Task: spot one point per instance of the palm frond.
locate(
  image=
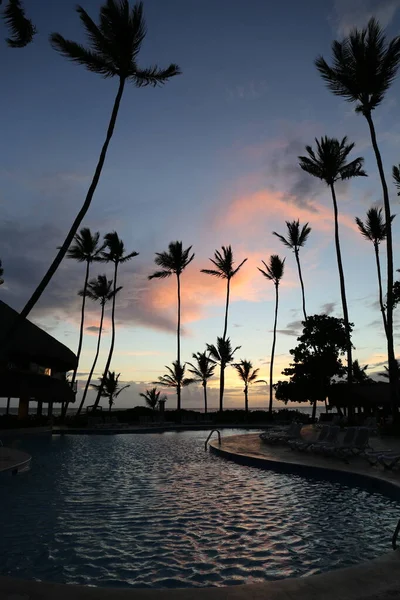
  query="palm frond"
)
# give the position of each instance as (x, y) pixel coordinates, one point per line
(79, 54)
(21, 28)
(160, 275)
(274, 269)
(154, 75)
(396, 177)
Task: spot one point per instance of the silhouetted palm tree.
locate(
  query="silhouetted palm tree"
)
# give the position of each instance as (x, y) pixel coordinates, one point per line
(85, 249)
(396, 177)
(295, 240)
(329, 164)
(152, 398)
(225, 269)
(273, 272)
(113, 51)
(99, 290)
(114, 252)
(374, 230)
(203, 370)
(175, 378)
(20, 27)
(222, 354)
(1, 273)
(174, 262)
(360, 373)
(364, 67)
(248, 375)
(109, 387)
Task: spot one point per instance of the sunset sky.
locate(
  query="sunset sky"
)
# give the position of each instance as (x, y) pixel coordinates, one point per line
(209, 159)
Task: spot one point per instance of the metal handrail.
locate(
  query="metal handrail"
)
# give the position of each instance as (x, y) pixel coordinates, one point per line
(211, 432)
(395, 535)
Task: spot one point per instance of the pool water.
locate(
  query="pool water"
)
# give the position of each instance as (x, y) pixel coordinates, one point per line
(158, 511)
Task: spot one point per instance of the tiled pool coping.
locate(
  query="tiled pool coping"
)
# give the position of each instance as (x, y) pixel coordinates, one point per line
(374, 580)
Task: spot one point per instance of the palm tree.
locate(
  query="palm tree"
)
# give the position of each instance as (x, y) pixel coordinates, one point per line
(20, 27)
(175, 378)
(360, 373)
(1, 273)
(225, 269)
(248, 375)
(364, 67)
(374, 230)
(221, 354)
(396, 177)
(99, 290)
(86, 249)
(295, 240)
(109, 387)
(113, 50)
(329, 164)
(152, 398)
(174, 262)
(203, 370)
(115, 253)
(273, 272)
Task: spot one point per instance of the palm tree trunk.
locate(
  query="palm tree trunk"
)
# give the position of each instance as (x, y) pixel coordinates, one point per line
(111, 351)
(94, 363)
(393, 376)
(75, 226)
(343, 295)
(178, 337)
(228, 287)
(221, 388)
(78, 352)
(205, 397)
(314, 411)
(378, 268)
(246, 399)
(296, 253)
(271, 366)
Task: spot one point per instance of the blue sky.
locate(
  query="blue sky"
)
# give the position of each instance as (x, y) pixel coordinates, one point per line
(210, 158)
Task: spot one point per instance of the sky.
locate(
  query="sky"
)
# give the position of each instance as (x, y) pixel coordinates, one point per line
(210, 159)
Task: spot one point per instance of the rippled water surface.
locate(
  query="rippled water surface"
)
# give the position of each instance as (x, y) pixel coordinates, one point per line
(157, 510)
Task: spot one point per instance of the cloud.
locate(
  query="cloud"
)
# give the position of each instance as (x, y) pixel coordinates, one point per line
(328, 308)
(252, 90)
(293, 328)
(356, 13)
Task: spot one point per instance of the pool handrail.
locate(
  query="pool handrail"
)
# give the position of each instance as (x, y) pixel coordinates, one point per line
(209, 436)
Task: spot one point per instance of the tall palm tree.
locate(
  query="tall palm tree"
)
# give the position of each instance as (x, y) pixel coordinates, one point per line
(396, 177)
(1, 273)
(329, 163)
(109, 387)
(295, 240)
(114, 251)
(225, 269)
(175, 378)
(374, 230)
(364, 66)
(20, 27)
(174, 262)
(85, 249)
(203, 370)
(152, 398)
(99, 290)
(113, 50)
(273, 272)
(248, 375)
(221, 354)
(360, 373)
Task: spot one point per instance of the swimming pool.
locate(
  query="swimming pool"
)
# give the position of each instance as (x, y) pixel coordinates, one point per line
(158, 511)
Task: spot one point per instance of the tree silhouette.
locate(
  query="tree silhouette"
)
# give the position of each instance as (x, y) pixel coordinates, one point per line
(21, 28)
(85, 249)
(396, 177)
(364, 66)
(295, 240)
(109, 387)
(99, 290)
(174, 262)
(113, 50)
(221, 354)
(1, 273)
(329, 163)
(175, 378)
(360, 373)
(248, 375)
(203, 370)
(225, 269)
(114, 252)
(273, 272)
(152, 398)
(374, 230)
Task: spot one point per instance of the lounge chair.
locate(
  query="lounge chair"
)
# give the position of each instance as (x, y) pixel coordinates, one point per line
(343, 447)
(331, 438)
(280, 437)
(389, 460)
(302, 444)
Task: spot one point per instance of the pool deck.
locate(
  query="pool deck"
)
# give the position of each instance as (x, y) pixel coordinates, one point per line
(374, 580)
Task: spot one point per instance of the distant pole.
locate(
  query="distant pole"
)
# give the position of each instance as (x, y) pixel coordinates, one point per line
(8, 406)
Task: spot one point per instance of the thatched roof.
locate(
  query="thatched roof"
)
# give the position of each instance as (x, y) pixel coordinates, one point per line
(374, 394)
(33, 344)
